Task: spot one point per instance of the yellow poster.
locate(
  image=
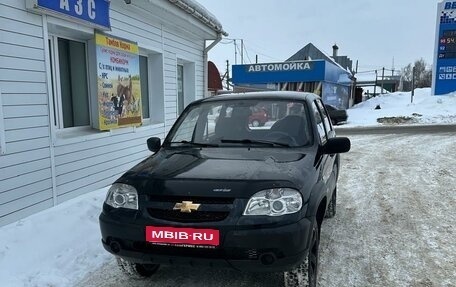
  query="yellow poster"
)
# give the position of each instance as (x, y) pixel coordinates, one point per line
(119, 88)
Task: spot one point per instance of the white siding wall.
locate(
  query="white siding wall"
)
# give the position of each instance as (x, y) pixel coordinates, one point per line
(80, 164)
(25, 168)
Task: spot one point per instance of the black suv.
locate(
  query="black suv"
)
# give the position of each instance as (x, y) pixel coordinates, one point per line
(221, 192)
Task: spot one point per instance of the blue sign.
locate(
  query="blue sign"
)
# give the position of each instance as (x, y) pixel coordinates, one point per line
(445, 57)
(95, 12)
(302, 71)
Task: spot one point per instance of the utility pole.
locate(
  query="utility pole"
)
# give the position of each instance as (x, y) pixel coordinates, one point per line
(256, 59)
(392, 70)
(235, 52)
(375, 85)
(227, 75)
(383, 78)
(413, 84)
(242, 51)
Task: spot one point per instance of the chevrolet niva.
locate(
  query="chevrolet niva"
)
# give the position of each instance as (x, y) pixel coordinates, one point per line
(221, 192)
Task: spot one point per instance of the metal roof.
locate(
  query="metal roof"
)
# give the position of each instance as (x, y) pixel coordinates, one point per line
(200, 13)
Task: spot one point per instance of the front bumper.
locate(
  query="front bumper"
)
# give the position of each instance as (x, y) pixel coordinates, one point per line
(246, 248)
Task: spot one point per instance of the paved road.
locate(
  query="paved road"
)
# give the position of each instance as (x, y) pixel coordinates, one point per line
(397, 129)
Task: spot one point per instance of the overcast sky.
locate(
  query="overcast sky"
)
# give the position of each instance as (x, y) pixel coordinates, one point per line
(370, 31)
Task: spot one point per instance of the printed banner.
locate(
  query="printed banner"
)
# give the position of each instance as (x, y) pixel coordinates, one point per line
(119, 89)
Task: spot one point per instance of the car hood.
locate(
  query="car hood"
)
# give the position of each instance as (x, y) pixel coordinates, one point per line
(227, 171)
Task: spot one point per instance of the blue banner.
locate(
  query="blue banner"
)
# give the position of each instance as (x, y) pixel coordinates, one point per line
(95, 12)
(302, 71)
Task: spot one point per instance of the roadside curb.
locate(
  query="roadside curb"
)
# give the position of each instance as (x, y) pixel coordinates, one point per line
(398, 129)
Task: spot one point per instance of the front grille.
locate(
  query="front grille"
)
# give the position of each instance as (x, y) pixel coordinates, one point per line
(209, 253)
(211, 208)
(150, 248)
(195, 216)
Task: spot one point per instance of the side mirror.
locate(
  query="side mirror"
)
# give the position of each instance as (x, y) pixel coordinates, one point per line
(337, 145)
(154, 144)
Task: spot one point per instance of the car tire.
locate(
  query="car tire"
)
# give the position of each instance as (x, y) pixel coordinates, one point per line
(306, 273)
(136, 270)
(255, 123)
(331, 211)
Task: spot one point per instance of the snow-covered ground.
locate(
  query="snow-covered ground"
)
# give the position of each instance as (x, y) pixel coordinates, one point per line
(399, 108)
(395, 224)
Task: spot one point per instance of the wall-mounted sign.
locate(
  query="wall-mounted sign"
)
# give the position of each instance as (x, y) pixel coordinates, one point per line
(94, 13)
(444, 79)
(119, 88)
(279, 72)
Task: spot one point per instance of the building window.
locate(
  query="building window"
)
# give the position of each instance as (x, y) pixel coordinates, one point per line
(144, 80)
(180, 89)
(70, 85)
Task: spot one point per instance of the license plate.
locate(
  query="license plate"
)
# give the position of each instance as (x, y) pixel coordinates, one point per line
(179, 236)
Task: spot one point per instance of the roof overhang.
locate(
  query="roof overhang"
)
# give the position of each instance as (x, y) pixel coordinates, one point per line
(200, 13)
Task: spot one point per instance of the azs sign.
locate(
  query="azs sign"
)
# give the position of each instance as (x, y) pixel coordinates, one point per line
(92, 12)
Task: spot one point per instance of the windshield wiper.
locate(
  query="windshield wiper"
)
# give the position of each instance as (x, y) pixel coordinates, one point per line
(262, 142)
(195, 144)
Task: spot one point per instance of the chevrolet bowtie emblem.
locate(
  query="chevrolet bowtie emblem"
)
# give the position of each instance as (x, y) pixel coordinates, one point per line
(186, 206)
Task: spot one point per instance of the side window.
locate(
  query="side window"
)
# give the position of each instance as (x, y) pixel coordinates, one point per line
(319, 121)
(69, 72)
(180, 89)
(144, 76)
(186, 83)
(152, 89)
(2, 128)
(326, 120)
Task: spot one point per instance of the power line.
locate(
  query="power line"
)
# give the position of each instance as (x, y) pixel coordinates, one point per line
(247, 54)
(231, 40)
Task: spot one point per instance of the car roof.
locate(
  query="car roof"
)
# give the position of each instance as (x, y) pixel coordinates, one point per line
(267, 95)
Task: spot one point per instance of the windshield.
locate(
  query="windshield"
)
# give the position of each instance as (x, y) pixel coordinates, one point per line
(271, 123)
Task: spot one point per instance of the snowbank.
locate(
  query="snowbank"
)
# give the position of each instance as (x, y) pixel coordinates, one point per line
(425, 109)
(56, 247)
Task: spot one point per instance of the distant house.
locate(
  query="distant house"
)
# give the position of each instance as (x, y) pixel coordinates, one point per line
(82, 86)
(310, 52)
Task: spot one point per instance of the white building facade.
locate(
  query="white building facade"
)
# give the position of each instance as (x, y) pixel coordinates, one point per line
(51, 146)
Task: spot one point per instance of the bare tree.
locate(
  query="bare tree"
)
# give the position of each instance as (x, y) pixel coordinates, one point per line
(423, 75)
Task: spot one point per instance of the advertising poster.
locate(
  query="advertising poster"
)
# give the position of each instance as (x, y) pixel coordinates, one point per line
(119, 90)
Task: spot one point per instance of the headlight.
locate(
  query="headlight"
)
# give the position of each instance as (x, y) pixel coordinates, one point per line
(274, 202)
(122, 196)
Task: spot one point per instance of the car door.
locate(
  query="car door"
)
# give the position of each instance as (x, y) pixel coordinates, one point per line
(330, 133)
(323, 126)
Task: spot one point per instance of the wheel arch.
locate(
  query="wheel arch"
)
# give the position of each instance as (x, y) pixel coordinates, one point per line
(318, 203)
(321, 211)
